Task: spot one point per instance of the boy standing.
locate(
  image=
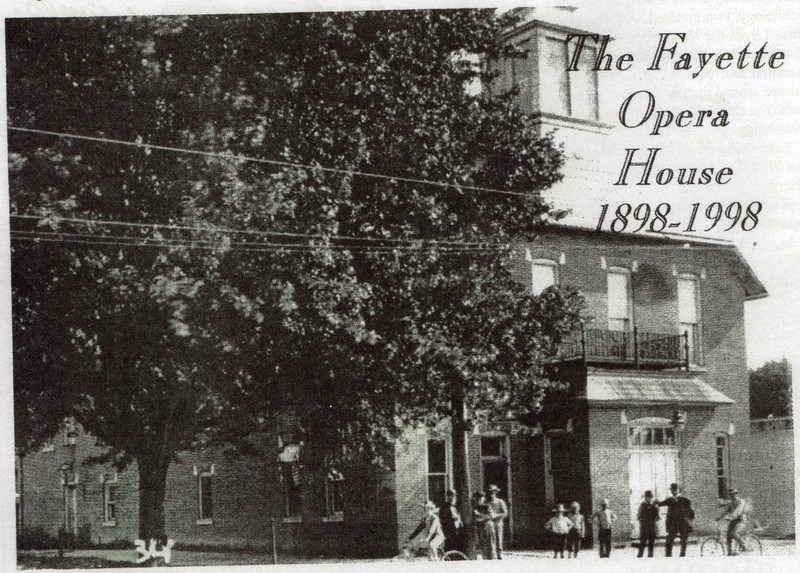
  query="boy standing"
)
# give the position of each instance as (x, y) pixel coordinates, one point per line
(647, 516)
(559, 526)
(604, 518)
(578, 530)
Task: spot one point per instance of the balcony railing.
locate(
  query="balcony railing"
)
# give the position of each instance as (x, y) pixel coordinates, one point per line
(634, 348)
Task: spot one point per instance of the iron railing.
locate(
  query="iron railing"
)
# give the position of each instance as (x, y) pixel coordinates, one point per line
(636, 348)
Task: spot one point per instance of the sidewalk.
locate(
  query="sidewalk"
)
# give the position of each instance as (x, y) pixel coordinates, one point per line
(33, 559)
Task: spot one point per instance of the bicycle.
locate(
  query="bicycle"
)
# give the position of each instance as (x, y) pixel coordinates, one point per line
(718, 544)
(412, 551)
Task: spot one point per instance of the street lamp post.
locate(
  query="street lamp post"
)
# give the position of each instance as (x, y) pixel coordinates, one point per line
(679, 424)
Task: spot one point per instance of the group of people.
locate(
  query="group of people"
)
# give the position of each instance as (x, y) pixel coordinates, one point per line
(567, 530)
(445, 530)
(678, 522)
(679, 517)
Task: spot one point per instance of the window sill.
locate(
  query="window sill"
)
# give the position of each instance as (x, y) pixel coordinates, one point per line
(293, 519)
(337, 517)
(207, 521)
(112, 523)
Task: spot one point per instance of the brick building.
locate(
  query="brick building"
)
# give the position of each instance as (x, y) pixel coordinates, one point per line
(210, 499)
(658, 388)
(657, 392)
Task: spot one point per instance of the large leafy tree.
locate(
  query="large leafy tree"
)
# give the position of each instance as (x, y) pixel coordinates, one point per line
(240, 288)
(771, 389)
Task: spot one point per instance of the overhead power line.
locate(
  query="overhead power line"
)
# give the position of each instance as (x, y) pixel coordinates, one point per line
(166, 242)
(231, 157)
(175, 227)
(124, 241)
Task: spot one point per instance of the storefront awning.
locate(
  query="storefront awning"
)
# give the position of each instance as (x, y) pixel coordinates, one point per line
(641, 388)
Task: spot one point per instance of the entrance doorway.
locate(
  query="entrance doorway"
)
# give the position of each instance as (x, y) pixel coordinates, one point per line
(653, 465)
(496, 472)
(494, 466)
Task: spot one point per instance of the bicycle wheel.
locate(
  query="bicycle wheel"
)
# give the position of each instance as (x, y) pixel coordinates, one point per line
(454, 555)
(712, 547)
(752, 545)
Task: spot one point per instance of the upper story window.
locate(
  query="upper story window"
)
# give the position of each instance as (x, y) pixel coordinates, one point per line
(544, 273)
(571, 94)
(688, 314)
(619, 299)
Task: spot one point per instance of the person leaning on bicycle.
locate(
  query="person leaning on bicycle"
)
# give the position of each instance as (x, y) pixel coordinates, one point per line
(736, 514)
(433, 530)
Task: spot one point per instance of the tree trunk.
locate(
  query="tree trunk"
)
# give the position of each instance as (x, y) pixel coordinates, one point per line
(152, 490)
(461, 465)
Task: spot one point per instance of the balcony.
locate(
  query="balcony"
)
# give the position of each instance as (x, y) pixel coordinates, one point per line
(636, 349)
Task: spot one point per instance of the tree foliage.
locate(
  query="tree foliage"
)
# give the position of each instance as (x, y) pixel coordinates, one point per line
(315, 289)
(771, 389)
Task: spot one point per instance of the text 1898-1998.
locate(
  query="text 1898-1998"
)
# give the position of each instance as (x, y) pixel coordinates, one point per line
(658, 218)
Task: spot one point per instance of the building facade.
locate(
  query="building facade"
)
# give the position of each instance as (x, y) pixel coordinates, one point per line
(211, 500)
(658, 388)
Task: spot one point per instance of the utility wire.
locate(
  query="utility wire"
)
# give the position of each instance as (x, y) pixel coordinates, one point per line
(80, 238)
(94, 238)
(252, 231)
(229, 157)
(420, 242)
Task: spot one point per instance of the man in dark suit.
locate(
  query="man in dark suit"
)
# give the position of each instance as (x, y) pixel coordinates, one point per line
(679, 514)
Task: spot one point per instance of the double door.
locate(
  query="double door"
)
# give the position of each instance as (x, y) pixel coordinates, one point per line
(651, 469)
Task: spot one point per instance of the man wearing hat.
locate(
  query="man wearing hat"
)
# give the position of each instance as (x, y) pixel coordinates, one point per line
(737, 516)
(647, 516)
(499, 511)
(679, 514)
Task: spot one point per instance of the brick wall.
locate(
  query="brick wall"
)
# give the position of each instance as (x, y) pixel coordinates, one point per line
(43, 496)
(769, 481)
(246, 497)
